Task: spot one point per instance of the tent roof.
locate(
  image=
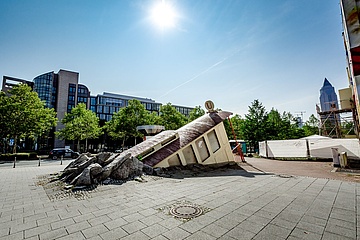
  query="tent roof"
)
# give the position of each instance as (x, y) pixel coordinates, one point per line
(315, 136)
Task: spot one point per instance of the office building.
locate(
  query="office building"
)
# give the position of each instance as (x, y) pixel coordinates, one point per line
(62, 91)
(328, 97)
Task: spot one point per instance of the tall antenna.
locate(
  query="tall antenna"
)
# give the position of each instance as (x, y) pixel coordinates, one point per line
(301, 113)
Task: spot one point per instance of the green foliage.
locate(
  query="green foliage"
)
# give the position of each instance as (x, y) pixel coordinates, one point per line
(259, 125)
(283, 126)
(23, 114)
(170, 118)
(237, 123)
(123, 123)
(80, 124)
(255, 124)
(311, 126)
(196, 113)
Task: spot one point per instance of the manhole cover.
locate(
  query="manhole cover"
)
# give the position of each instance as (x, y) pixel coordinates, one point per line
(186, 211)
(284, 176)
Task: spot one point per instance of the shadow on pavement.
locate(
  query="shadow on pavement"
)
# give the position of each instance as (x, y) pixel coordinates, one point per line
(190, 171)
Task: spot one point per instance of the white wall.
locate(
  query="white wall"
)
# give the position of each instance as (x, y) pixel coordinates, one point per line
(302, 148)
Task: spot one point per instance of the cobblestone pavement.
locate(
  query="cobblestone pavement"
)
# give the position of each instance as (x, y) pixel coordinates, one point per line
(318, 169)
(239, 205)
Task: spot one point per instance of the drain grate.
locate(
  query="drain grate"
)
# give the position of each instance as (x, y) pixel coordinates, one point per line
(284, 176)
(186, 211)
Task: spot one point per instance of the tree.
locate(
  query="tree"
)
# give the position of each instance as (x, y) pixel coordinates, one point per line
(311, 126)
(123, 123)
(23, 114)
(170, 118)
(196, 113)
(254, 127)
(80, 124)
(237, 123)
(282, 126)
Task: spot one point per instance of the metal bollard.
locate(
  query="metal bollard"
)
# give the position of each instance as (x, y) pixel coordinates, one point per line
(14, 161)
(39, 161)
(61, 158)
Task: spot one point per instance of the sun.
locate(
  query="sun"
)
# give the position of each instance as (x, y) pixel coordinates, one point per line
(163, 15)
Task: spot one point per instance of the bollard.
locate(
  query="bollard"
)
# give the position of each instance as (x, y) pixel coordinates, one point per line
(14, 161)
(39, 161)
(61, 158)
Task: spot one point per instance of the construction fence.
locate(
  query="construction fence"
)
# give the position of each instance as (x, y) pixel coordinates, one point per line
(309, 148)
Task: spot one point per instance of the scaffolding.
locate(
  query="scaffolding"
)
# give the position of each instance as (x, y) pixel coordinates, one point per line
(335, 122)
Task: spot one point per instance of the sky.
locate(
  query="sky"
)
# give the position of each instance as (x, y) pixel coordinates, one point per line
(228, 51)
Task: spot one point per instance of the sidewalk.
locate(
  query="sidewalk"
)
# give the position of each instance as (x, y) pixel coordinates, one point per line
(236, 204)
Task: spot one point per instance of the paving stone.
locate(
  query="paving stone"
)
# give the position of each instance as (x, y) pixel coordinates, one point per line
(37, 230)
(214, 230)
(133, 217)
(4, 231)
(20, 227)
(114, 234)
(150, 220)
(148, 212)
(160, 237)
(200, 236)
(176, 234)
(76, 227)
(154, 230)
(136, 235)
(341, 223)
(240, 233)
(83, 217)
(73, 236)
(344, 232)
(304, 234)
(15, 236)
(274, 230)
(47, 220)
(311, 227)
(115, 223)
(54, 234)
(62, 223)
(93, 231)
(99, 220)
(134, 227)
(333, 236)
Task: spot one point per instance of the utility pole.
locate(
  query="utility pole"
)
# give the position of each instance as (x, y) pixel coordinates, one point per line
(302, 117)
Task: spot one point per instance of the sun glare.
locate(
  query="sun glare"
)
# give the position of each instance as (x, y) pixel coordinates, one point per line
(163, 15)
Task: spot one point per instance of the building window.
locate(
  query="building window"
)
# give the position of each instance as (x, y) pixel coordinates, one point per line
(202, 149)
(214, 141)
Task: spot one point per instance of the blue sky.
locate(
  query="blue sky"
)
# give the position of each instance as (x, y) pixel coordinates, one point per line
(229, 51)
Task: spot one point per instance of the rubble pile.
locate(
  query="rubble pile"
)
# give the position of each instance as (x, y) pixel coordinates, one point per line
(87, 169)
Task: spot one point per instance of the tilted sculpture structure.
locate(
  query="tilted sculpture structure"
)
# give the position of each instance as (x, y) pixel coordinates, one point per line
(202, 141)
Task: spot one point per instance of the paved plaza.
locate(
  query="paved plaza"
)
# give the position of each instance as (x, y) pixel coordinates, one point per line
(236, 204)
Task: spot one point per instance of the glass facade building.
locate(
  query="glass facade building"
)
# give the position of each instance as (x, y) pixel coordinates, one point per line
(45, 86)
(62, 92)
(109, 103)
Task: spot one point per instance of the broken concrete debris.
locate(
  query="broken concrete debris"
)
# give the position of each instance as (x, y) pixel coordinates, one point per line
(87, 169)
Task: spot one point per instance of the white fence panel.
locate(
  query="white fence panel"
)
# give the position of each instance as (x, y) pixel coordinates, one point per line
(322, 148)
(287, 148)
(262, 148)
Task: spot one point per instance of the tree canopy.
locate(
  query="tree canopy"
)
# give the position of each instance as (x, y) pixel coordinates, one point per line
(123, 123)
(170, 118)
(254, 127)
(196, 113)
(259, 125)
(23, 114)
(80, 124)
(311, 126)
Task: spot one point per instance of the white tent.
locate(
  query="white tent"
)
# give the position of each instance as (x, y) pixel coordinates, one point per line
(315, 137)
